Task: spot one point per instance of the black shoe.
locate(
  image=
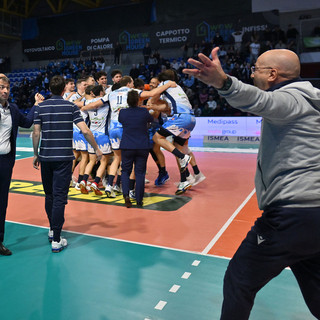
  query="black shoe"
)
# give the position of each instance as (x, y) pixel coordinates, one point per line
(4, 251)
(140, 204)
(127, 202)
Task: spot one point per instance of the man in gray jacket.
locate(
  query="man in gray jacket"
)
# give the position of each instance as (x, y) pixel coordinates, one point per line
(287, 178)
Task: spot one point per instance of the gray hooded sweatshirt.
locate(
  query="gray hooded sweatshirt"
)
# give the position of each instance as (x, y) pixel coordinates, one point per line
(288, 164)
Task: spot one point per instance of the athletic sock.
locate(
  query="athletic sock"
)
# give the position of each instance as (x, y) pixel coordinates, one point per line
(85, 177)
(110, 179)
(178, 153)
(131, 184)
(80, 178)
(183, 176)
(97, 180)
(196, 169)
(162, 170)
(187, 172)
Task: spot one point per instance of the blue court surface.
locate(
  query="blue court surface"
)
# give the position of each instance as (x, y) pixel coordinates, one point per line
(102, 279)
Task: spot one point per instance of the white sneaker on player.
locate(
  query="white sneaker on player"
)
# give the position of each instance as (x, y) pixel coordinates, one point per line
(77, 186)
(184, 162)
(117, 189)
(191, 179)
(109, 191)
(198, 178)
(83, 187)
(94, 187)
(183, 187)
(58, 246)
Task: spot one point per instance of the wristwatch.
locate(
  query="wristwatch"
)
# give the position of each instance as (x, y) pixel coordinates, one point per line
(226, 84)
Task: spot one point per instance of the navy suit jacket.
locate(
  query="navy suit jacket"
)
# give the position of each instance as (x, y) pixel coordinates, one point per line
(135, 128)
(18, 120)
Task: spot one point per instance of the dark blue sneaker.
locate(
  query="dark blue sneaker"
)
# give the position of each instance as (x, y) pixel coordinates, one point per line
(162, 178)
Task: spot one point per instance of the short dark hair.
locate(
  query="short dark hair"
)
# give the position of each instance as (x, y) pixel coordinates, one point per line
(69, 80)
(133, 98)
(116, 86)
(57, 85)
(125, 80)
(99, 74)
(168, 75)
(138, 82)
(97, 89)
(115, 71)
(89, 89)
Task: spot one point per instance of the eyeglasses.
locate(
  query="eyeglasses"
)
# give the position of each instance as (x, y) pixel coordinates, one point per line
(254, 68)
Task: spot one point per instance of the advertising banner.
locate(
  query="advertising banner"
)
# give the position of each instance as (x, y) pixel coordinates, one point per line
(134, 39)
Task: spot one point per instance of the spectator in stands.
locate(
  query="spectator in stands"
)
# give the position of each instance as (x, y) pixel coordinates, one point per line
(146, 52)
(212, 104)
(134, 72)
(218, 40)
(254, 51)
(203, 97)
(292, 34)
(280, 45)
(237, 35)
(117, 53)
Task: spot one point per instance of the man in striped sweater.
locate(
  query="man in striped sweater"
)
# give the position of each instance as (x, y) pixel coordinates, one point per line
(53, 119)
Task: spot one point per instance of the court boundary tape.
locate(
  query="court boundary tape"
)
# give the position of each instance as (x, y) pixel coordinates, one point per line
(121, 240)
(226, 225)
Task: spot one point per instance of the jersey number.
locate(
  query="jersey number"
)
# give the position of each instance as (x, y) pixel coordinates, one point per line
(119, 99)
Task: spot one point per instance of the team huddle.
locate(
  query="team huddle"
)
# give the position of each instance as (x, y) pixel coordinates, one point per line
(100, 105)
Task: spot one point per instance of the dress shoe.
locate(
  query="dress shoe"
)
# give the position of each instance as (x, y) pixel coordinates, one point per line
(140, 204)
(127, 202)
(4, 251)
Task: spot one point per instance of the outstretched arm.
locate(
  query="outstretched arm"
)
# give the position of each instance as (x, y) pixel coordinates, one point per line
(207, 70)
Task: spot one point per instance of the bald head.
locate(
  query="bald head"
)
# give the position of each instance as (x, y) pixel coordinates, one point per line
(285, 61)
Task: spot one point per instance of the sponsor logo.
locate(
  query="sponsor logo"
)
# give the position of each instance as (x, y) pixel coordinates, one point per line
(69, 48)
(133, 41)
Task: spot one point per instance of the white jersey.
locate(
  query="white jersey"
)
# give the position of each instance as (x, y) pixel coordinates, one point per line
(83, 113)
(118, 101)
(98, 117)
(66, 95)
(177, 99)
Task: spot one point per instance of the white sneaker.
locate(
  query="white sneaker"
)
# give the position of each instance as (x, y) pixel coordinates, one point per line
(109, 192)
(198, 178)
(146, 181)
(117, 189)
(184, 162)
(50, 235)
(77, 186)
(95, 189)
(58, 246)
(183, 187)
(83, 187)
(191, 179)
(132, 194)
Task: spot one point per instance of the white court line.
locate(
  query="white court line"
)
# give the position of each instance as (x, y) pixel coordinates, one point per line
(24, 149)
(226, 225)
(119, 240)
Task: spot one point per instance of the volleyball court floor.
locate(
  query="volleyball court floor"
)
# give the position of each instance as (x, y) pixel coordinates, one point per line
(164, 261)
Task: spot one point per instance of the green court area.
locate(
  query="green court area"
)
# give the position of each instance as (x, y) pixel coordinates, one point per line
(104, 279)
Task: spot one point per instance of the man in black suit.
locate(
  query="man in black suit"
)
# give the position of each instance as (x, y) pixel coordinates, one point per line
(10, 119)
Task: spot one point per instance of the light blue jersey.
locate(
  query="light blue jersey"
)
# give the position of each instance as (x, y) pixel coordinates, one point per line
(117, 101)
(183, 120)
